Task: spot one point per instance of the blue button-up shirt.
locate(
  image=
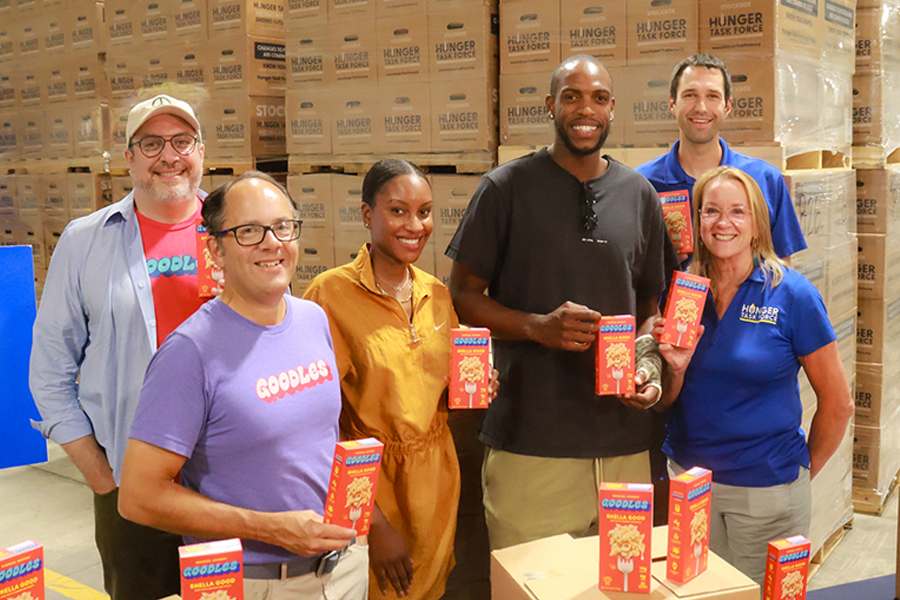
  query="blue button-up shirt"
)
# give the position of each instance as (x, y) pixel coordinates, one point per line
(95, 332)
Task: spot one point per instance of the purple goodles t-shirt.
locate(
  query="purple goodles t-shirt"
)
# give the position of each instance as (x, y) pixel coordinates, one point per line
(253, 408)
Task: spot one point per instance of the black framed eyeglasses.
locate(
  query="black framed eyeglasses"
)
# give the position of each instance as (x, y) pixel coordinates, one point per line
(153, 145)
(252, 234)
(589, 218)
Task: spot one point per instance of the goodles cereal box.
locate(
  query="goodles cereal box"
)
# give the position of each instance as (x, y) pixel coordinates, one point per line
(354, 479)
(470, 368)
(626, 523)
(787, 567)
(689, 502)
(676, 208)
(212, 570)
(684, 308)
(615, 355)
(22, 572)
(208, 274)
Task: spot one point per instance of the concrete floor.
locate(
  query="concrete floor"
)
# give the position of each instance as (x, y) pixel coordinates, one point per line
(51, 504)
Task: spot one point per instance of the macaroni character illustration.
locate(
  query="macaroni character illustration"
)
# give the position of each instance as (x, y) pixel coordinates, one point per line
(699, 527)
(617, 358)
(359, 493)
(792, 585)
(216, 595)
(686, 311)
(675, 223)
(471, 370)
(626, 542)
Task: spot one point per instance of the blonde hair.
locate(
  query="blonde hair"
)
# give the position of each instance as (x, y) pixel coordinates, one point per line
(761, 245)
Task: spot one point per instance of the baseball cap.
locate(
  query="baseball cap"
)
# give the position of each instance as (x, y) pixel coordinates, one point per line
(159, 105)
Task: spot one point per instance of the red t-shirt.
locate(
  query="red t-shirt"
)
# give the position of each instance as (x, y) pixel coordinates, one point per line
(171, 253)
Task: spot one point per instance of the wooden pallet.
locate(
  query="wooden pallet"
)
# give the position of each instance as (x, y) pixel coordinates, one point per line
(433, 162)
(828, 548)
(52, 166)
(781, 157)
(872, 157)
(213, 166)
(873, 505)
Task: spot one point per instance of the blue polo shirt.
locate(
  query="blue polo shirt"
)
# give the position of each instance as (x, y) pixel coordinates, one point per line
(739, 411)
(666, 175)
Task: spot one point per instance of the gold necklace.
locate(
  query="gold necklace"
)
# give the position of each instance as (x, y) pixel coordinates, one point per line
(408, 298)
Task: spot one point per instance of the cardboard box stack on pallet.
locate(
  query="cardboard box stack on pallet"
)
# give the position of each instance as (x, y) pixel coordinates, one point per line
(53, 117)
(421, 83)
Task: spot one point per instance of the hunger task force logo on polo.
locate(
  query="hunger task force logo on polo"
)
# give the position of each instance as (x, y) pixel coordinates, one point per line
(759, 314)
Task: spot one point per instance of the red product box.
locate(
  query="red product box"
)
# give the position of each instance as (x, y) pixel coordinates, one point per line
(354, 481)
(470, 368)
(787, 568)
(676, 208)
(684, 308)
(615, 355)
(208, 274)
(212, 570)
(689, 510)
(626, 525)
(22, 572)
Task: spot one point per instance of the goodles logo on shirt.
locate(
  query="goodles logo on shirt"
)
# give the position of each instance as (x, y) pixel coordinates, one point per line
(276, 387)
(759, 314)
(172, 266)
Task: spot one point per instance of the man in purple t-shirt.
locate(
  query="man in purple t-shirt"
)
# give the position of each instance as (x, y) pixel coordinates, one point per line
(241, 401)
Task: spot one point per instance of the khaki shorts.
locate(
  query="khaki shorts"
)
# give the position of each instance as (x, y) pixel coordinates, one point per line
(531, 497)
(348, 581)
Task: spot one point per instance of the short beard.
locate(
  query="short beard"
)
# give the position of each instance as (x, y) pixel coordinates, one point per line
(564, 136)
(169, 194)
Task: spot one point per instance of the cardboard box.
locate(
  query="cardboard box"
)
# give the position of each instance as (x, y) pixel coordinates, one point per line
(313, 196)
(304, 13)
(210, 568)
(190, 67)
(88, 34)
(240, 127)
(347, 245)
(452, 194)
(87, 192)
(351, 45)
(877, 400)
(153, 69)
(787, 567)
(121, 187)
(190, 21)
(524, 120)
(845, 330)
(243, 17)
(122, 22)
(689, 514)
(346, 193)
(402, 43)
(677, 212)
(875, 46)
(614, 357)
(343, 10)
(876, 458)
(8, 47)
(811, 197)
(405, 117)
(52, 202)
(757, 28)
(530, 36)
(353, 484)
(594, 27)
(463, 115)
(31, 83)
(877, 331)
(156, 20)
(873, 105)
(29, 190)
(7, 90)
(877, 200)
(648, 121)
(30, 231)
(248, 65)
(309, 121)
(122, 74)
(754, 88)
(684, 309)
(9, 135)
(463, 44)
(387, 8)
(661, 32)
(22, 567)
(55, 30)
(354, 117)
(308, 57)
(53, 230)
(626, 524)
(838, 35)
(840, 275)
(878, 270)
(316, 257)
(470, 368)
(31, 43)
(58, 83)
(60, 135)
(8, 192)
(34, 132)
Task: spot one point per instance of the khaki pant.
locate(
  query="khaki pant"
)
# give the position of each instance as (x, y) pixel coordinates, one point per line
(348, 581)
(531, 497)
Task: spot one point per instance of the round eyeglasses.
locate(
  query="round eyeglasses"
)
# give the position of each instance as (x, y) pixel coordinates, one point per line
(153, 145)
(252, 234)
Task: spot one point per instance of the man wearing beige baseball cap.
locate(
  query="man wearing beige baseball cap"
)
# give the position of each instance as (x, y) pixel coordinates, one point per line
(120, 280)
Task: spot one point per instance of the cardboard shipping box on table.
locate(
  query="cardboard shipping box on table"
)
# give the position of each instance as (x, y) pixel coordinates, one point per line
(563, 568)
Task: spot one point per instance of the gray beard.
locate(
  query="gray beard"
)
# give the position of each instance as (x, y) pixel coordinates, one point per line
(169, 194)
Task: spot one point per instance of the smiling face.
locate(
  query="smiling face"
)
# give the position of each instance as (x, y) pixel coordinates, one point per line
(255, 275)
(583, 107)
(400, 219)
(168, 178)
(727, 227)
(700, 106)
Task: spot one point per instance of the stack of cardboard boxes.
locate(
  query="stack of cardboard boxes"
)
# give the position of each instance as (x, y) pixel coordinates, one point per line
(422, 80)
(876, 453)
(824, 201)
(785, 58)
(225, 57)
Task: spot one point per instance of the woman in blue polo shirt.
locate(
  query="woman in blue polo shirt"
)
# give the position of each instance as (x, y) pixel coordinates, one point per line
(735, 398)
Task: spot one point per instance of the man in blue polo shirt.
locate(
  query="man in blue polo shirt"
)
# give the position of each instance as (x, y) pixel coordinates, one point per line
(700, 99)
